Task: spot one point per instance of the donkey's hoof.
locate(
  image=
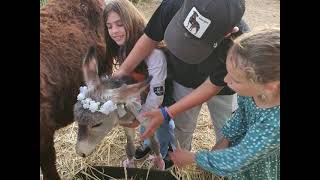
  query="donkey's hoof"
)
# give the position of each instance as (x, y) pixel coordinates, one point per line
(158, 162)
(129, 163)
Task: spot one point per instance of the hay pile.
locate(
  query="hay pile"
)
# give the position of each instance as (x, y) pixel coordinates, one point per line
(111, 152)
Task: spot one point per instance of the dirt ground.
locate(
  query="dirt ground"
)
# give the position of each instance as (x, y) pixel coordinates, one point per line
(258, 12)
(262, 13)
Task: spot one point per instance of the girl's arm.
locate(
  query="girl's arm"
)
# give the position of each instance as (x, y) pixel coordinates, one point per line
(140, 51)
(261, 141)
(157, 68)
(182, 157)
(196, 97)
(200, 95)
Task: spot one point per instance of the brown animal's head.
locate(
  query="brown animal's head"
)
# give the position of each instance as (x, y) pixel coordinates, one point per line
(94, 125)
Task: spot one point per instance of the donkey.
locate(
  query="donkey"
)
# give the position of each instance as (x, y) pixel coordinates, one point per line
(67, 28)
(103, 104)
(193, 22)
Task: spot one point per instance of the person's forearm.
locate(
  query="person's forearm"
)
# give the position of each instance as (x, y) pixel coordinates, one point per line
(204, 92)
(141, 50)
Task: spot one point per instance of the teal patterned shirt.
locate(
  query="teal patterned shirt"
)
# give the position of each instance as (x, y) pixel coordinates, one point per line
(254, 149)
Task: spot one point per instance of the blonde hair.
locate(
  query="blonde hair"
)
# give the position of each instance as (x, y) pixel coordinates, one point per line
(258, 54)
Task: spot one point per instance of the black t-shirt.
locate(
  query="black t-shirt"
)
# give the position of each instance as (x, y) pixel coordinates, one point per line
(191, 75)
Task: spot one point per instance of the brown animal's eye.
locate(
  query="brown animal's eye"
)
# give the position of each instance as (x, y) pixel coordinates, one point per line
(82, 5)
(97, 125)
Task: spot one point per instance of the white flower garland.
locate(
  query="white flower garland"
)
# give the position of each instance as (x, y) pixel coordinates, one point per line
(94, 106)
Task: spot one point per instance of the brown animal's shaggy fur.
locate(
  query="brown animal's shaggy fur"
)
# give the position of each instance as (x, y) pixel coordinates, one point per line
(67, 29)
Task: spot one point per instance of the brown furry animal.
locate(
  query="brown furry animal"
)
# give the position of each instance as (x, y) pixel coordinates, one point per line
(67, 29)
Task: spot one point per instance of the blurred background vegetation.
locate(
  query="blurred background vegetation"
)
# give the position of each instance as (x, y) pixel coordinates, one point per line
(43, 2)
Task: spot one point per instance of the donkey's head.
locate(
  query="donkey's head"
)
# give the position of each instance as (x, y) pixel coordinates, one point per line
(102, 104)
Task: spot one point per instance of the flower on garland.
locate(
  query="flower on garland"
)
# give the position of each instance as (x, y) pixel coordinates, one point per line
(93, 106)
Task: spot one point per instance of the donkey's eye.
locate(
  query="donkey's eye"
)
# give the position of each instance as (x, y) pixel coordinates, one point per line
(97, 125)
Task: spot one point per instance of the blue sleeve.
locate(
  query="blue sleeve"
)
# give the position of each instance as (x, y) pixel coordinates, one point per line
(261, 140)
(236, 125)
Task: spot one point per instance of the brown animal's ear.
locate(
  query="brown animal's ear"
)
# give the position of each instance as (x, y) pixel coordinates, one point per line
(133, 89)
(90, 67)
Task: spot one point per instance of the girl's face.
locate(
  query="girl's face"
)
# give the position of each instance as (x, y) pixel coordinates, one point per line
(116, 28)
(238, 82)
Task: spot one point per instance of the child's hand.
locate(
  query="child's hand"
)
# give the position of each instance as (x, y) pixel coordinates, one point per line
(120, 73)
(182, 157)
(155, 119)
(222, 144)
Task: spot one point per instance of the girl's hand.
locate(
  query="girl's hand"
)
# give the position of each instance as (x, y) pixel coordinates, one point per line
(222, 144)
(155, 119)
(182, 157)
(120, 73)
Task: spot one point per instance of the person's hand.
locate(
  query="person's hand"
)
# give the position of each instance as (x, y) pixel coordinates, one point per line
(182, 157)
(234, 30)
(222, 144)
(120, 73)
(135, 123)
(155, 119)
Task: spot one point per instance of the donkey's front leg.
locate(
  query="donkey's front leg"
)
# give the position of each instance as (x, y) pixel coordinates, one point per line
(130, 148)
(155, 147)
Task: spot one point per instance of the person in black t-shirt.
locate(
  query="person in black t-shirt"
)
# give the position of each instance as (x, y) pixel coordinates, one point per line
(198, 35)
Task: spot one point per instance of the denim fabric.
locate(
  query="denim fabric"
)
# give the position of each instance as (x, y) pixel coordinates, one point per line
(165, 135)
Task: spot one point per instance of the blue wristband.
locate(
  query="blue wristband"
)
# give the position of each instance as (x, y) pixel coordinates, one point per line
(165, 114)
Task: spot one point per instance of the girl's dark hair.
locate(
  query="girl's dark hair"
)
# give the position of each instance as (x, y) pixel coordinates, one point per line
(134, 24)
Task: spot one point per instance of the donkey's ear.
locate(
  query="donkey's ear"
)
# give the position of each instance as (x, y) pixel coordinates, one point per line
(90, 67)
(133, 89)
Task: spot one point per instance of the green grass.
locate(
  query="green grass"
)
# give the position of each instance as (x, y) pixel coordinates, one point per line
(43, 2)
